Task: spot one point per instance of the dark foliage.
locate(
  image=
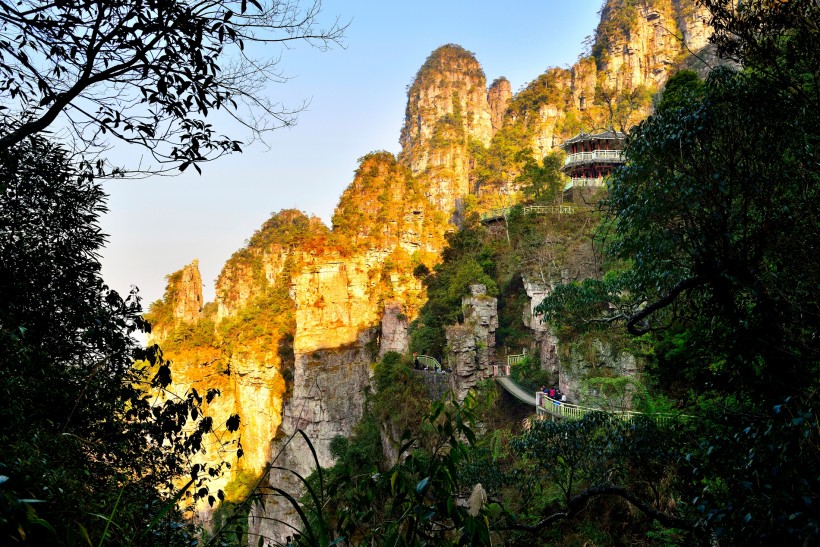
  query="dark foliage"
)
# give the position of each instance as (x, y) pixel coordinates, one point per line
(80, 433)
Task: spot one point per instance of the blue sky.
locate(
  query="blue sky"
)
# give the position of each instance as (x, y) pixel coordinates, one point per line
(357, 99)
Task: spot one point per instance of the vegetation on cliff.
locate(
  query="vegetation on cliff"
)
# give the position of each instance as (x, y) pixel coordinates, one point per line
(619, 19)
(382, 204)
(715, 216)
(710, 270)
(541, 248)
(96, 440)
(709, 234)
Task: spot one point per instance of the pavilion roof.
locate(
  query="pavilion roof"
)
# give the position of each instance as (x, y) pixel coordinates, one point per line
(609, 134)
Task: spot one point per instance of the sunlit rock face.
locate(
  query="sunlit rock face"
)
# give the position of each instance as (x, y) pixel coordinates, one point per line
(498, 97)
(353, 298)
(256, 268)
(337, 298)
(188, 302)
(638, 46)
(447, 110)
(240, 345)
(237, 283)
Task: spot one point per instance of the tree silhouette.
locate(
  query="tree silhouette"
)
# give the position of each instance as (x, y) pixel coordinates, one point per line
(148, 72)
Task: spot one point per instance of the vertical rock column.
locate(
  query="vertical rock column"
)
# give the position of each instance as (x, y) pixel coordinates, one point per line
(546, 341)
(498, 97)
(394, 335)
(472, 345)
(188, 300)
(447, 109)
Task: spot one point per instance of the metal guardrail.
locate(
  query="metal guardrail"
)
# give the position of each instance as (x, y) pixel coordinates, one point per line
(515, 359)
(545, 405)
(429, 362)
(502, 212)
(611, 156)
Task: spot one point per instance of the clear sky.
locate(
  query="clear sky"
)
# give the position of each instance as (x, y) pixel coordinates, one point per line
(357, 99)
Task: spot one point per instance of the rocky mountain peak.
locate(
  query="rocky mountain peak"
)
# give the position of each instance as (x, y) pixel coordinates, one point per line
(498, 97)
(256, 267)
(187, 289)
(302, 310)
(447, 110)
(639, 44)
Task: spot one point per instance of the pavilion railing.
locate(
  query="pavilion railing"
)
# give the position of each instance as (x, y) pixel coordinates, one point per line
(582, 182)
(594, 155)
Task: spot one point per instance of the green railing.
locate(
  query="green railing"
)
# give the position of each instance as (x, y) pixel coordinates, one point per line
(545, 405)
(495, 214)
(515, 359)
(429, 362)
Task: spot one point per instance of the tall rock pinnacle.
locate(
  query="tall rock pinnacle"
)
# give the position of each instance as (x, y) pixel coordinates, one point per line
(188, 299)
(498, 97)
(447, 109)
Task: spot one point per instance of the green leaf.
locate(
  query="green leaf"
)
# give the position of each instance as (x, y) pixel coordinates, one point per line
(422, 484)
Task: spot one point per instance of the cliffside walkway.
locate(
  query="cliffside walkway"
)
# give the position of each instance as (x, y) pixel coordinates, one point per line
(544, 406)
(497, 214)
(430, 363)
(516, 391)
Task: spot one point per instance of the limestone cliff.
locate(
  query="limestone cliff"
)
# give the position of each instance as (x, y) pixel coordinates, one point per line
(447, 110)
(383, 228)
(498, 97)
(303, 310)
(546, 343)
(472, 343)
(243, 343)
(598, 372)
(257, 267)
(636, 47)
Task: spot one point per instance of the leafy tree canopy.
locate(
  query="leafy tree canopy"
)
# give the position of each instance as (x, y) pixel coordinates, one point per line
(542, 183)
(714, 218)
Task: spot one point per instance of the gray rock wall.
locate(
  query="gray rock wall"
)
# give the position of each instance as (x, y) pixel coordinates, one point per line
(471, 346)
(394, 336)
(328, 400)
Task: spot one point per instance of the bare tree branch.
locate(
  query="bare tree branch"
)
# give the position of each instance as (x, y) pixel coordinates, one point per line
(150, 72)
